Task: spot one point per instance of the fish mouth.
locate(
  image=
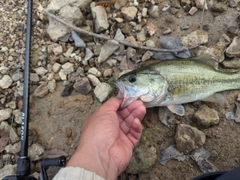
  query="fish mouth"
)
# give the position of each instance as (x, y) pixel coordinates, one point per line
(120, 89)
(124, 94)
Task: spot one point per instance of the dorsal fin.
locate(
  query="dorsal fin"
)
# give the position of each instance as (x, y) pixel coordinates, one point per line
(212, 62)
(208, 60)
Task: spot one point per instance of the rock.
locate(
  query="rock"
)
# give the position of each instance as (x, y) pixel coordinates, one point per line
(225, 39)
(17, 116)
(68, 13)
(3, 70)
(55, 48)
(83, 86)
(94, 71)
(67, 68)
(171, 153)
(88, 54)
(131, 53)
(193, 10)
(154, 11)
(6, 82)
(100, 19)
(218, 6)
(126, 64)
(237, 114)
(62, 75)
(168, 31)
(107, 73)
(188, 138)
(4, 49)
(13, 149)
(141, 36)
(232, 64)
(78, 41)
(67, 90)
(40, 71)
(5, 114)
(200, 4)
(41, 90)
(150, 43)
(129, 13)
(165, 116)
(119, 35)
(55, 5)
(144, 12)
(56, 67)
(233, 3)
(151, 29)
(233, 49)
(68, 52)
(35, 151)
(147, 55)
(34, 77)
(52, 85)
(11, 104)
(107, 50)
(206, 117)
(13, 135)
(216, 50)
(201, 156)
(166, 7)
(94, 80)
(194, 38)
(8, 169)
(102, 91)
(230, 115)
(143, 158)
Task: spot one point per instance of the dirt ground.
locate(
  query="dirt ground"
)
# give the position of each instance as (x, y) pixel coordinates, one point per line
(57, 120)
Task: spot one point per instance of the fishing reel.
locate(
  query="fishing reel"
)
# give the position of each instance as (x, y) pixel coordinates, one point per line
(45, 164)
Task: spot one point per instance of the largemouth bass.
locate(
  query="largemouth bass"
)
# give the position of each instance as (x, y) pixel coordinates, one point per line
(174, 82)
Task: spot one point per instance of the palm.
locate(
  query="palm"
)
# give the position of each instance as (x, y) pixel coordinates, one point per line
(128, 133)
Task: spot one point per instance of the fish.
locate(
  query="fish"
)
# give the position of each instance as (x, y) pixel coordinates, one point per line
(172, 83)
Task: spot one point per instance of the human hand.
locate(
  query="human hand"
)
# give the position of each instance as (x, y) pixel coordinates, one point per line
(108, 137)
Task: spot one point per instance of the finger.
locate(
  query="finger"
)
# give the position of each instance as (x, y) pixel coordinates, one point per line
(135, 131)
(112, 104)
(134, 110)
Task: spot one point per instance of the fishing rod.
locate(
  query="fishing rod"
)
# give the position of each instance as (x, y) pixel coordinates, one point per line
(23, 164)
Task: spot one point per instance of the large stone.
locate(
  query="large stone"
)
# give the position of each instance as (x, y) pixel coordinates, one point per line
(35, 151)
(107, 50)
(129, 12)
(8, 169)
(6, 81)
(5, 114)
(41, 90)
(233, 49)
(143, 158)
(55, 5)
(68, 13)
(41, 71)
(100, 18)
(206, 117)
(194, 38)
(68, 68)
(83, 86)
(188, 138)
(102, 91)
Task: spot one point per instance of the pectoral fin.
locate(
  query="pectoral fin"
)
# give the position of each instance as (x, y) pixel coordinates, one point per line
(216, 98)
(177, 109)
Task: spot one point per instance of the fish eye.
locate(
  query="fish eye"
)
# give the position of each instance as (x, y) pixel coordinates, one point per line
(132, 78)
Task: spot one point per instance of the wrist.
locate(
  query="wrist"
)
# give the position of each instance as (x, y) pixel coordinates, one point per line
(95, 160)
